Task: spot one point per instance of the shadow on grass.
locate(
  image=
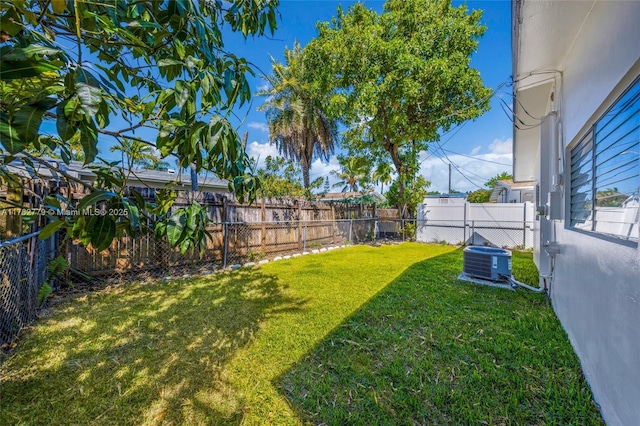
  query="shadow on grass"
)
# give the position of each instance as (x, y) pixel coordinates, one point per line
(144, 354)
(431, 350)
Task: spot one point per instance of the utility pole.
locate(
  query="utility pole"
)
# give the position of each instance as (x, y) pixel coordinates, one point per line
(449, 178)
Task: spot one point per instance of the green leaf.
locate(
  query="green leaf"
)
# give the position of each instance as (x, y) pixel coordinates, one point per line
(89, 98)
(103, 115)
(133, 214)
(168, 62)
(52, 202)
(27, 120)
(185, 245)
(50, 229)
(94, 198)
(44, 292)
(181, 93)
(36, 49)
(193, 212)
(144, 24)
(103, 232)
(180, 51)
(9, 137)
(89, 141)
(89, 91)
(57, 267)
(11, 70)
(176, 227)
(165, 198)
(10, 23)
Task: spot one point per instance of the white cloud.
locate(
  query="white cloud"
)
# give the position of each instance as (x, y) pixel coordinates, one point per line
(258, 126)
(475, 150)
(263, 87)
(501, 146)
(260, 151)
(323, 170)
(477, 170)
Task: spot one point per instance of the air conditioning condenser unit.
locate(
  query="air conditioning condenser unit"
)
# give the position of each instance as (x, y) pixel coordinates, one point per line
(487, 263)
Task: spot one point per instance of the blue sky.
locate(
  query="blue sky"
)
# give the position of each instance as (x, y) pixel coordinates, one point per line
(479, 149)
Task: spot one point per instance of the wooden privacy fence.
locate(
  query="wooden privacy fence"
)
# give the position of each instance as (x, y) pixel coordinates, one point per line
(231, 243)
(240, 234)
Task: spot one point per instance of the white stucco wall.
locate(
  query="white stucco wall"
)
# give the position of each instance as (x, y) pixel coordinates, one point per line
(596, 280)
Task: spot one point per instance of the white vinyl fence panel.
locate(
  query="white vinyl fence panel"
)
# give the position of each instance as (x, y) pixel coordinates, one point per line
(500, 225)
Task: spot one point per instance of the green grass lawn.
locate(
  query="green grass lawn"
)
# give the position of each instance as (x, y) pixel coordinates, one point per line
(363, 335)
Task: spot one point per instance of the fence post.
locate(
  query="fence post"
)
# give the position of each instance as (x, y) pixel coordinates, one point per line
(304, 238)
(225, 233)
(350, 229)
(402, 228)
(300, 244)
(333, 225)
(473, 232)
(464, 226)
(524, 227)
(263, 228)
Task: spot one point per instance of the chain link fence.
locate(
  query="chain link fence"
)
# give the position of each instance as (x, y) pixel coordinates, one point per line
(23, 270)
(231, 243)
(510, 234)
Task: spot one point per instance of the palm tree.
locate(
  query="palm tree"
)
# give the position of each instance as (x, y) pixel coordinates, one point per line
(298, 124)
(382, 175)
(136, 153)
(353, 174)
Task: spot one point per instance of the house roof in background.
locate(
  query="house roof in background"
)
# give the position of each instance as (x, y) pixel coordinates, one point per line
(506, 184)
(137, 177)
(515, 185)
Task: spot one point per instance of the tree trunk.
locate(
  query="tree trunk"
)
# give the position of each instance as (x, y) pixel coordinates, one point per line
(244, 141)
(305, 173)
(395, 157)
(194, 177)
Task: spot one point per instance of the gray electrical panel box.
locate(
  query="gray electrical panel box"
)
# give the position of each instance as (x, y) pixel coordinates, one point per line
(555, 205)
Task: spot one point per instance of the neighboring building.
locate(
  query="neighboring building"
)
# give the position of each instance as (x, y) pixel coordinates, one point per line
(508, 191)
(577, 135)
(440, 199)
(147, 181)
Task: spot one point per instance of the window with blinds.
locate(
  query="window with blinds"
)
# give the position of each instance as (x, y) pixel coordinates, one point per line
(605, 171)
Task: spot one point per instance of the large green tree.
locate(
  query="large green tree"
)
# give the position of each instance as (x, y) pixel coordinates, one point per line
(113, 68)
(399, 77)
(298, 123)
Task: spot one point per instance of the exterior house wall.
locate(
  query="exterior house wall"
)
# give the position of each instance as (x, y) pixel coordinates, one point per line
(596, 279)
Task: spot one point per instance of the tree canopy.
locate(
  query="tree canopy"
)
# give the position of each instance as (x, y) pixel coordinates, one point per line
(112, 69)
(400, 77)
(281, 177)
